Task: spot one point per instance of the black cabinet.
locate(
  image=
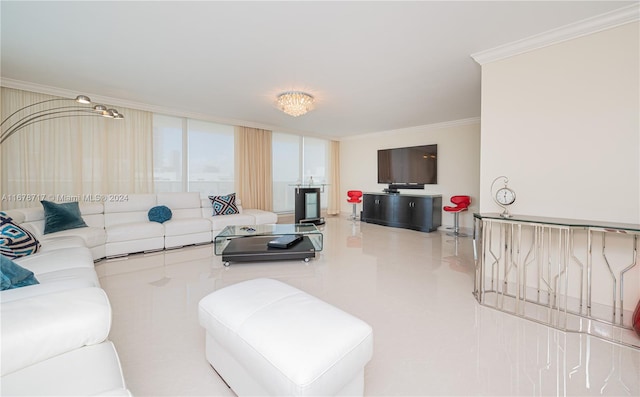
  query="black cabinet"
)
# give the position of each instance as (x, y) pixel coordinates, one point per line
(375, 208)
(416, 212)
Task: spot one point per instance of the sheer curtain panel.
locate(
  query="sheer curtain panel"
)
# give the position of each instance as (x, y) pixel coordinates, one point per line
(73, 158)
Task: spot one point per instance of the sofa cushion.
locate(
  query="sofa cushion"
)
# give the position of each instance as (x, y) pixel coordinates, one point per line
(60, 259)
(134, 202)
(87, 275)
(16, 216)
(224, 205)
(133, 210)
(134, 231)
(64, 216)
(262, 217)
(91, 236)
(13, 275)
(177, 227)
(56, 242)
(93, 214)
(89, 371)
(159, 213)
(41, 327)
(15, 241)
(220, 222)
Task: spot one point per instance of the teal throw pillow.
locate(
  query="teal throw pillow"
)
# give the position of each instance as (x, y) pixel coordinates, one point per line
(160, 214)
(15, 241)
(59, 217)
(13, 275)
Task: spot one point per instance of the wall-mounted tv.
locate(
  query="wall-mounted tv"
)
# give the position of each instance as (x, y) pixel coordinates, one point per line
(408, 167)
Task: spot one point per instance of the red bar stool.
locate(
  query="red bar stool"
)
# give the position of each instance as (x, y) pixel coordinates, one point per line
(462, 204)
(355, 198)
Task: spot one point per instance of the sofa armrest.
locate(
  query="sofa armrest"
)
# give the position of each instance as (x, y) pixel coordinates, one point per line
(35, 329)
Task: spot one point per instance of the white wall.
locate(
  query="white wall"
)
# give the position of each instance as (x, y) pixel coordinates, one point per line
(458, 162)
(562, 122)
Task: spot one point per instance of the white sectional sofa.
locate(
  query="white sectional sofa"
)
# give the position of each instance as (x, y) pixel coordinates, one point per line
(53, 338)
(54, 334)
(122, 226)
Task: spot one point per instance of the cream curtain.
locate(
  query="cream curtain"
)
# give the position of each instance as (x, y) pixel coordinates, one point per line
(84, 157)
(334, 199)
(253, 176)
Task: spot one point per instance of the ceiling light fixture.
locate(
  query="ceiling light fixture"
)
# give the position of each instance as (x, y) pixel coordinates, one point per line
(295, 103)
(26, 116)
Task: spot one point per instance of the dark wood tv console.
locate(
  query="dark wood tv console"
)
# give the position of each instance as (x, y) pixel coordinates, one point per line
(408, 211)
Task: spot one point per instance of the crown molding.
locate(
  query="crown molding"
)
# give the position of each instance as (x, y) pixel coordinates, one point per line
(418, 128)
(587, 26)
(65, 93)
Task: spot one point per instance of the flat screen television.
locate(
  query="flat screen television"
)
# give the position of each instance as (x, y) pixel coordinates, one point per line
(408, 167)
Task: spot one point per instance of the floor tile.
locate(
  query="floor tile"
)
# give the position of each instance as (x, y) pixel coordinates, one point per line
(431, 337)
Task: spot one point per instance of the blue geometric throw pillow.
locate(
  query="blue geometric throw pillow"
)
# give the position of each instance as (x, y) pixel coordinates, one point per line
(14, 276)
(58, 217)
(224, 205)
(15, 242)
(160, 214)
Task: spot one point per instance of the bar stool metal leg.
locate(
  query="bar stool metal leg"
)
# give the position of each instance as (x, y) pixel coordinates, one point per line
(353, 214)
(456, 226)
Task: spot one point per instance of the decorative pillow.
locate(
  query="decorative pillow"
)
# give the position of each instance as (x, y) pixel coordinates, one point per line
(59, 217)
(14, 276)
(15, 242)
(224, 205)
(160, 214)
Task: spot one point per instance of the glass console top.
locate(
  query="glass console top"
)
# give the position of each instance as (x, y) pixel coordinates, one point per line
(632, 227)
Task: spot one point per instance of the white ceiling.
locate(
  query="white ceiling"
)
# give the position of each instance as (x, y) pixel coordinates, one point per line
(372, 66)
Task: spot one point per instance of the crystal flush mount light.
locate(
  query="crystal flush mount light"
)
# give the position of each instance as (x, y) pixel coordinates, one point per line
(295, 103)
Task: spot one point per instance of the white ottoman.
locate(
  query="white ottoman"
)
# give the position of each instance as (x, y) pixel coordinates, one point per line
(265, 337)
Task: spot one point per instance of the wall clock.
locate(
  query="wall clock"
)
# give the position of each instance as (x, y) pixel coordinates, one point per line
(503, 196)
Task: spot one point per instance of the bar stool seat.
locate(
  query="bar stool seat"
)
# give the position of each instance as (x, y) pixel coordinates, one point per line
(355, 198)
(462, 203)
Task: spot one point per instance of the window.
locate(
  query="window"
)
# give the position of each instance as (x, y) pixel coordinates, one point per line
(211, 158)
(198, 156)
(297, 159)
(167, 153)
(192, 155)
(286, 160)
(315, 159)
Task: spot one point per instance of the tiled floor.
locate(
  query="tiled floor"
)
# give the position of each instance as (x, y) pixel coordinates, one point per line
(430, 335)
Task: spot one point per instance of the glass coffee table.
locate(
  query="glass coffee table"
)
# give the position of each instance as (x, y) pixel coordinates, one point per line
(249, 243)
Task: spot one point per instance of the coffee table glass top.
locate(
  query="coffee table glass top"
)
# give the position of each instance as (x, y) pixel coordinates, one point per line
(239, 231)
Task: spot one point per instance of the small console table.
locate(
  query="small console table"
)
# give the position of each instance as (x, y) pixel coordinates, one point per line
(545, 270)
(307, 203)
(416, 212)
